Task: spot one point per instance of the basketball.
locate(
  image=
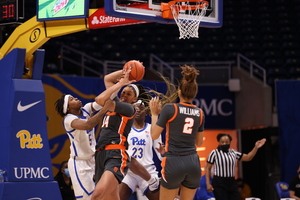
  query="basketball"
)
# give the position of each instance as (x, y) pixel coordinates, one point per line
(137, 70)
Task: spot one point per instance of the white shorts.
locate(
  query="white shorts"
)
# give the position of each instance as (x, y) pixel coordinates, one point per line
(132, 180)
(82, 174)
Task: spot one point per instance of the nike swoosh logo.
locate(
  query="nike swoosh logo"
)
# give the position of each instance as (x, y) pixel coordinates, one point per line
(21, 108)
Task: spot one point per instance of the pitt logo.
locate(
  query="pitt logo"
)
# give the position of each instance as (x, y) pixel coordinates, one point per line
(137, 141)
(28, 141)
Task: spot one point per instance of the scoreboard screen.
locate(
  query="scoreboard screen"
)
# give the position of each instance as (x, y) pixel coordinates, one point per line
(11, 10)
(61, 9)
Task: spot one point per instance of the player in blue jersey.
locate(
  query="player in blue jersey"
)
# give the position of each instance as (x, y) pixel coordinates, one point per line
(79, 123)
(184, 123)
(141, 148)
(112, 160)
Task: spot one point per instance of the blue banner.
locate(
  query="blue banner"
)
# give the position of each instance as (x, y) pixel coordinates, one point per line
(288, 107)
(24, 145)
(218, 104)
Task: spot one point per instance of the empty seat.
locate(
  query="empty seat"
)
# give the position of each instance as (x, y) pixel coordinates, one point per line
(292, 62)
(233, 38)
(179, 56)
(270, 45)
(290, 37)
(272, 54)
(282, 190)
(277, 71)
(231, 22)
(267, 22)
(292, 53)
(274, 63)
(199, 56)
(290, 45)
(216, 56)
(250, 23)
(231, 30)
(288, 22)
(231, 55)
(231, 46)
(252, 55)
(269, 29)
(266, 15)
(286, 29)
(252, 37)
(118, 56)
(294, 71)
(249, 30)
(251, 46)
(271, 80)
(110, 47)
(213, 46)
(271, 37)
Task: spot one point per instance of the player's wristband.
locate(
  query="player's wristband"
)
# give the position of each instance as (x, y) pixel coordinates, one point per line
(96, 106)
(114, 95)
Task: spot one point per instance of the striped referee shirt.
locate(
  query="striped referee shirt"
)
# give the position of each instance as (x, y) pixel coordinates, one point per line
(224, 162)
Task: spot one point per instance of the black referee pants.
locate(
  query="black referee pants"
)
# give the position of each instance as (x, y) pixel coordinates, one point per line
(225, 188)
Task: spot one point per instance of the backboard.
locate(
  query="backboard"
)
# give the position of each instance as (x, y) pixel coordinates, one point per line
(150, 10)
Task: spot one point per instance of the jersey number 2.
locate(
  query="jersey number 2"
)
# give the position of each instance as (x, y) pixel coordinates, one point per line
(188, 125)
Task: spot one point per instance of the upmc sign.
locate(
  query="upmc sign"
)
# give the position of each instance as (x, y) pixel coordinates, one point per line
(100, 20)
(218, 104)
(24, 146)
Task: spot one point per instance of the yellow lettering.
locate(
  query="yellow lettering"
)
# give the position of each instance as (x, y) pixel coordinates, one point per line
(26, 141)
(24, 137)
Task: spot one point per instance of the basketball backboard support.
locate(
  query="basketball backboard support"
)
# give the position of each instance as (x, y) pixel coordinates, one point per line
(150, 10)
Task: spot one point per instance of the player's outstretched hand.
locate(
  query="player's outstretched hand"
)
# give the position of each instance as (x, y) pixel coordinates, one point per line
(155, 106)
(124, 80)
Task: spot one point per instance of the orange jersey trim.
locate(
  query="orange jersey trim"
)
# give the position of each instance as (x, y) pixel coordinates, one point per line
(122, 128)
(124, 161)
(114, 146)
(168, 127)
(201, 116)
(187, 104)
(163, 164)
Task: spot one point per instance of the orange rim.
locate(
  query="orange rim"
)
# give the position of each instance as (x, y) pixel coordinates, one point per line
(187, 7)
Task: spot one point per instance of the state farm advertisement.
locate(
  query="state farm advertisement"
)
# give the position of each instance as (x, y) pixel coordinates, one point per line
(100, 20)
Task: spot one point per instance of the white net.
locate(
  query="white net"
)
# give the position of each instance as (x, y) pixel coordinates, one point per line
(188, 17)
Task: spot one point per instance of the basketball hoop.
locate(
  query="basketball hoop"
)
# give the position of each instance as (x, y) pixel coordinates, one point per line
(187, 15)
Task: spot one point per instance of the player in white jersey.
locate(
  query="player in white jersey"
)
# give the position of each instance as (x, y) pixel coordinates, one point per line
(79, 123)
(140, 146)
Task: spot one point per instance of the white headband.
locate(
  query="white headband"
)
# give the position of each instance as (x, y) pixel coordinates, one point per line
(66, 101)
(136, 89)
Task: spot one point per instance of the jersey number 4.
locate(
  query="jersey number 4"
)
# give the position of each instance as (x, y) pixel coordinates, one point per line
(105, 121)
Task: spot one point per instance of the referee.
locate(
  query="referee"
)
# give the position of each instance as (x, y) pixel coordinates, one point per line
(224, 160)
